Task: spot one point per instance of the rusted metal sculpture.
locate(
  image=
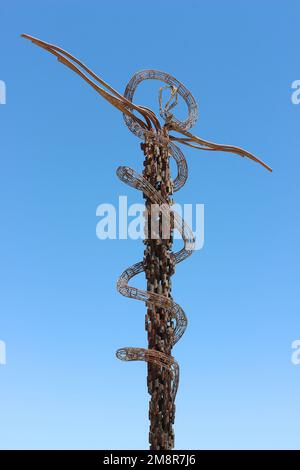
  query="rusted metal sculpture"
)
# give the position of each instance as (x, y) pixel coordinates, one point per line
(165, 319)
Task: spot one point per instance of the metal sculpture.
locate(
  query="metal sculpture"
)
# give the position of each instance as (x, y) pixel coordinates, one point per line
(165, 319)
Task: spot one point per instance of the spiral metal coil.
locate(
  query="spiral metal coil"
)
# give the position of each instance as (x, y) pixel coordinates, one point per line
(144, 123)
(137, 181)
(138, 77)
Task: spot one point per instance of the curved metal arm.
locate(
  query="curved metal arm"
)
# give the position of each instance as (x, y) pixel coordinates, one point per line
(114, 97)
(201, 144)
(148, 117)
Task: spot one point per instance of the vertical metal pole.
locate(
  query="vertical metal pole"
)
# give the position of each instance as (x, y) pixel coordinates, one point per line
(159, 267)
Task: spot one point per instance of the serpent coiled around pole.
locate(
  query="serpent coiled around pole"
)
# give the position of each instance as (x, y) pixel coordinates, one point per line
(131, 178)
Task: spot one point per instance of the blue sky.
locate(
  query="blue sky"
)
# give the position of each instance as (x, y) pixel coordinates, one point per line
(61, 316)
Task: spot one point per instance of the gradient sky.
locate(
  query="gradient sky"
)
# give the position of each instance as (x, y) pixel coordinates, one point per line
(61, 316)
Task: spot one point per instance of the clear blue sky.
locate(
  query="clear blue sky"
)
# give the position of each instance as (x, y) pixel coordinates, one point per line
(61, 317)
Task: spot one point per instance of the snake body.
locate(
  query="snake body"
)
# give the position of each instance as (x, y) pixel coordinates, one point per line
(137, 181)
(132, 178)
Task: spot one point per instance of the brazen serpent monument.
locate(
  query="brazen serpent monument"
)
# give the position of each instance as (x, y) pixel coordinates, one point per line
(165, 320)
